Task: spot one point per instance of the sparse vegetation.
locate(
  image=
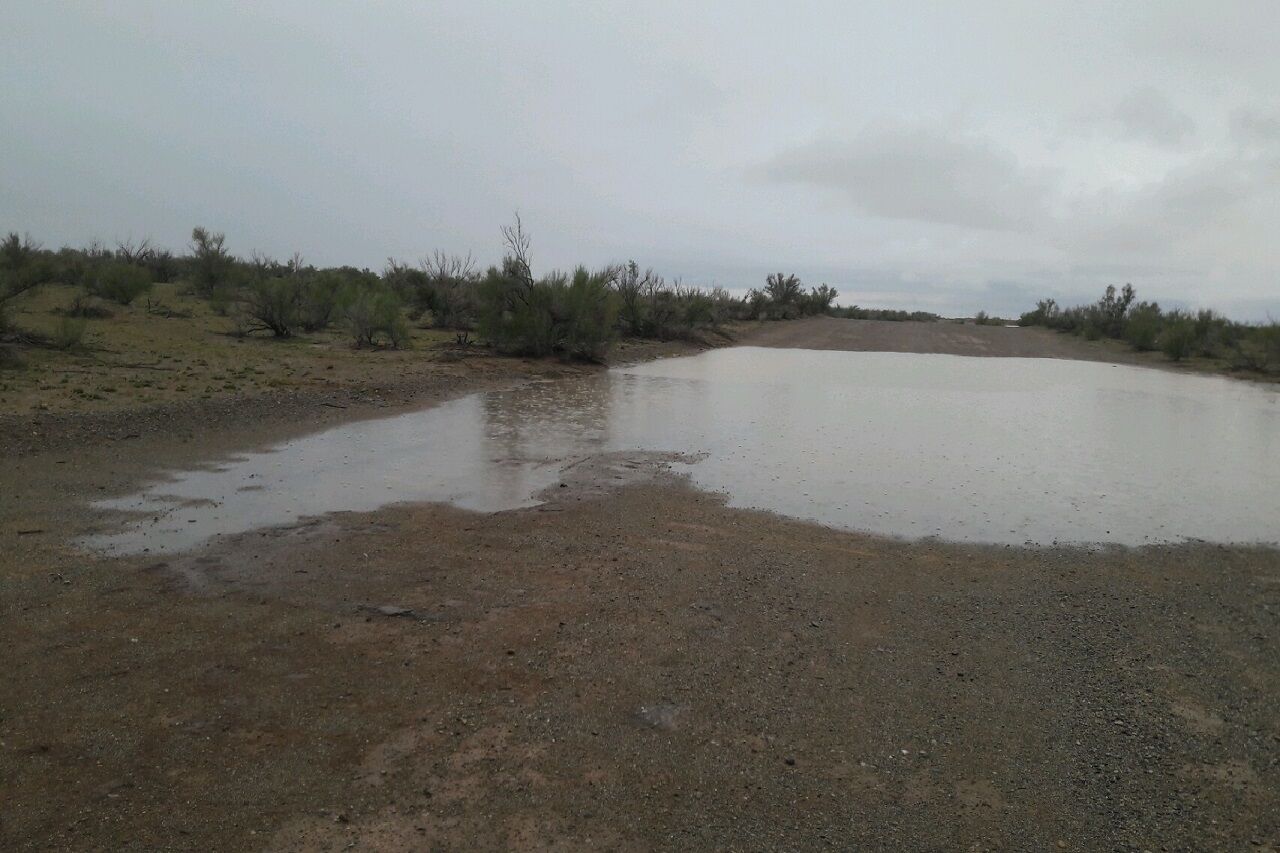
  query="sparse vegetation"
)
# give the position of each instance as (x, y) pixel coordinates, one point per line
(1178, 334)
(854, 312)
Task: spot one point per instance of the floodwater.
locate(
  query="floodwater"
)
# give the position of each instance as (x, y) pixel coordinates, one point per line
(1000, 450)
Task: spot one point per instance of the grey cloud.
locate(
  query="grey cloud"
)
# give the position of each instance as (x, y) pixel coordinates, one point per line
(919, 173)
(1254, 126)
(361, 132)
(1149, 116)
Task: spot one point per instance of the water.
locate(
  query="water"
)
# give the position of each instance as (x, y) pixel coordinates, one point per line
(999, 450)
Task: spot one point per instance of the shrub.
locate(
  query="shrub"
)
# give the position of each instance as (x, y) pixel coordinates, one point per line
(574, 316)
(22, 267)
(516, 313)
(320, 297)
(820, 299)
(272, 304)
(211, 263)
(854, 312)
(120, 282)
(69, 332)
(1179, 338)
(586, 311)
(373, 314)
(1046, 312)
(782, 290)
(450, 291)
(1142, 326)
(83, 305)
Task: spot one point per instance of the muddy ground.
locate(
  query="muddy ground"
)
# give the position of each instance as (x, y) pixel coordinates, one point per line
(631, 665)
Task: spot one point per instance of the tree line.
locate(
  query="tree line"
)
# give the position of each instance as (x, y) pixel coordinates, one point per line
(575, 314)
(1179, 334)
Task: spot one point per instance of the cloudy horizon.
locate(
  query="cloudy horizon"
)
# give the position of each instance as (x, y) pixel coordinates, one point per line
(912, 156)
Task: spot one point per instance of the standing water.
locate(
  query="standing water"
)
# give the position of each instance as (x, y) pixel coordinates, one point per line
(1002, 450)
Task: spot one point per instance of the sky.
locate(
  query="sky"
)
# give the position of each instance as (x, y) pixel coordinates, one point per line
(944, 156)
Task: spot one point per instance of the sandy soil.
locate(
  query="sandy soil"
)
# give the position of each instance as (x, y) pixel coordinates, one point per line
(631, 665)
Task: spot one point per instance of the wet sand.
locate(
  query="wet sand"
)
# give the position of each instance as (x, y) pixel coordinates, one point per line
(629, 666)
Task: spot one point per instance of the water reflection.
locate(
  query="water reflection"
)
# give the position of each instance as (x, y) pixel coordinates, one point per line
(979, 449)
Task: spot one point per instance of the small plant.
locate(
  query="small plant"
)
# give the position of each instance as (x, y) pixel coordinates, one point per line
(84, 305)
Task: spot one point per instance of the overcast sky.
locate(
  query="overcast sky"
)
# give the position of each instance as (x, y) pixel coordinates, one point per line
(949, 156)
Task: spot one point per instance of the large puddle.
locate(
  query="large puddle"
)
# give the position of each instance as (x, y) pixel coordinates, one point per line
(1035, 451)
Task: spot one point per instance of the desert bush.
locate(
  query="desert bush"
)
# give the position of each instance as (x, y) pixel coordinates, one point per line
(272, 304)
(408, 283)
(68, 333)
(517, 313)
(373, 314)
(783, 290)
(450, 291)
(819, 299)
(320, 299)
(585, 311)
(211, 264)
(85, 305)
(1045, 313)
(1179, 338)
(572, 315)
(1111, 310)
(22, 268)
(855, 312)
(1142, 326)
(119, 281)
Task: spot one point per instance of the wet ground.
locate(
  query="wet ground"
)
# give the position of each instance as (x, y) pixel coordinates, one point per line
(1016, 451)
(629, 664)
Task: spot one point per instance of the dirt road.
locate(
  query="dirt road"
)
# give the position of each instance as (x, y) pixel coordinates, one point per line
(634, 667)
(830, 333)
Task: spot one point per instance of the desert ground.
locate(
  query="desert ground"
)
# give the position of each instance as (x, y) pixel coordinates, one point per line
(630, 665)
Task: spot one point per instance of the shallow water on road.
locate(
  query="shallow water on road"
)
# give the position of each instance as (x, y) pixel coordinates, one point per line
(999, 450)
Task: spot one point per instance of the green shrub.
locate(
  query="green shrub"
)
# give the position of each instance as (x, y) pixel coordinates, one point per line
(450, 291)
(574, 316)
(119, 282)
(211, 264)
(373, 313)
(69, 333)
(272, 304)
(320, 297)
(1179, 338)
(587, 311)
(516, 313)
(22, 268)
(1142, 326)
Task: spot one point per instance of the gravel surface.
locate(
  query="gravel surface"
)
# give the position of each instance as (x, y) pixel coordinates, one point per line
(630, 665)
